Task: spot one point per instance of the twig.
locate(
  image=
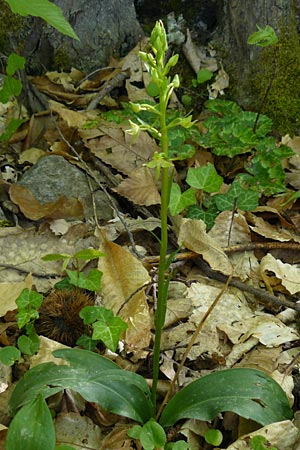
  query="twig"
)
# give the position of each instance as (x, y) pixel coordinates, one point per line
(107, 87)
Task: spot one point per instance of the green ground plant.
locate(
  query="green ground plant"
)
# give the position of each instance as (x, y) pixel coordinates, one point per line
(247, 392)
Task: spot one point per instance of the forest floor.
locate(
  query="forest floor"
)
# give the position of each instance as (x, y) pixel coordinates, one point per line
(72, 179)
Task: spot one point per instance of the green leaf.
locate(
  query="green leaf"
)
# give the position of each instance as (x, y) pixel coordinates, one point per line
(204, 75)
(213, 437)
(263, 37)
(90, 314)
(32, 428)
(237, 197)
(208, 215)
(91, 281)
(109, 331)
(48, 11)
(28, 302)
(14, 63)
(87, 342)
(179, 201)
(88, 254)
(12, 87)
(94, 377)
(205, 178)
(151, 435)
(178, 445)
(29, 345)
(9, 355)
(258, 443)
(56, 256)
(11, 127)
(248, 392)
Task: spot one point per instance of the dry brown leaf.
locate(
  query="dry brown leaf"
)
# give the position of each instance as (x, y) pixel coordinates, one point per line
(62, 208)
(288, 275)
(260, 226)
(192, 235)
(140, 188)
(115, 147)
(74, 119)
(9, 292)
(123, 276)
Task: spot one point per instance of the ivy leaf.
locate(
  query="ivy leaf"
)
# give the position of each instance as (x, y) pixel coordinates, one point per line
(179, 201)
(237, 197)
(91, 282)
(109, 331)
(205, 178)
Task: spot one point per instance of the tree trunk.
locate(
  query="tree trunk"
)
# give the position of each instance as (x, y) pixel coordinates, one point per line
(105, 27)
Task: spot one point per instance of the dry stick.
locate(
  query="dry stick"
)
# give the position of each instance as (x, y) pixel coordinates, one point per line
(110, 199)
(190, 345)
(261, 295)
(107, 87)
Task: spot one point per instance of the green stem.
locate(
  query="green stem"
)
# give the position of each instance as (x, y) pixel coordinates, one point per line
(162, 291)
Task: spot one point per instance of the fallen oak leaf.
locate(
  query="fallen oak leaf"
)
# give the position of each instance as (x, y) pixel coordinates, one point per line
(140, 188)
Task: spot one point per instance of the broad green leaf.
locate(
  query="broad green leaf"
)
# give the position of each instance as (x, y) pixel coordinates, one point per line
(90, 314)
(32, 428)
(91, 281)
(204, 75)
(237, 197)
(263, 37)
(14, 63)
(248, 392)
(9, 355)
(29, 345)
(208, 215)
(109, 331)
(205, 178)
(94, 377)
(45, 9)
(29, 298)
(179, 201)
(88, 254)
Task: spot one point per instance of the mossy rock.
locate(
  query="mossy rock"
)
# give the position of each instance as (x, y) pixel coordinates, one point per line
(277, 71)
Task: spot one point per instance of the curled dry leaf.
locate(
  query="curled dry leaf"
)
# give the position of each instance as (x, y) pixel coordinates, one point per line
(192, 235)
(140, 188)
(288, 275)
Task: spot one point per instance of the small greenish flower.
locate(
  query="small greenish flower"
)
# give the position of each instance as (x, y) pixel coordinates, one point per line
(159, 161)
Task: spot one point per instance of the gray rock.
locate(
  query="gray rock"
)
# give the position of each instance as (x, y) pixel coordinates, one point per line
(53, 177)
